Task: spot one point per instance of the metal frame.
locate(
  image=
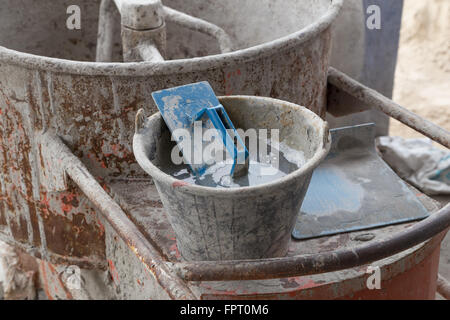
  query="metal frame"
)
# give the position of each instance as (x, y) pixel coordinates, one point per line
(369, 98)
(41, 93)
(113, 213)
(144, 29)
(173, 276)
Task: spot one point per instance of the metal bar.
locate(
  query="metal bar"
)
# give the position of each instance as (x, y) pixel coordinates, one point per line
(149, 52)
(143, 45)
(142, 14)
(142, 36)
(199, 25)
(317, 263)
(443, 287)
(167, 279)
(379, 102)
(143, 31)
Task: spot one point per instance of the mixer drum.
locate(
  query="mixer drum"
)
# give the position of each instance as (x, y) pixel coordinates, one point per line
(49, 81)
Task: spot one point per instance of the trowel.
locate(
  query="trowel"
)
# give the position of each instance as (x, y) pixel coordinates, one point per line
(194, 108)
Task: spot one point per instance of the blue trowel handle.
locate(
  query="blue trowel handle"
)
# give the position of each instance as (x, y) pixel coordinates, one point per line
(222, 122)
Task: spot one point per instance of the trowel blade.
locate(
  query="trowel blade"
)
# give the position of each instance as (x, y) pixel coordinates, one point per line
(354, 189)
(195, 108)
(179, 107)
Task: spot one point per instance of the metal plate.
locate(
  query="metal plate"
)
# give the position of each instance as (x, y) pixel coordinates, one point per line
(354, 189)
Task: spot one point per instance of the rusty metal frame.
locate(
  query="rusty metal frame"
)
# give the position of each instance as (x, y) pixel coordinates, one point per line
(41, 93)
(75, 169)
(342, 259)
(317, 263)
(173, 276)
(369, 98)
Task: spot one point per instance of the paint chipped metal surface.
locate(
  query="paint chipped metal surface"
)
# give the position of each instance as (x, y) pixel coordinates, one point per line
(49, 84)
(91, 105)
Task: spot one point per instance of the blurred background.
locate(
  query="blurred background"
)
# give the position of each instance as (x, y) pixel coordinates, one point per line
(422, 77)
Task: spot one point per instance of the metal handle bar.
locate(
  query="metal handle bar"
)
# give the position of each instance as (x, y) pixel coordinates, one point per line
(373, 99)
(116, 217)
(342, 259)
(143, 29)
(166, 272)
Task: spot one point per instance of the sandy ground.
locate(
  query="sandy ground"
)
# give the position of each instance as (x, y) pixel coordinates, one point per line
(422, 80)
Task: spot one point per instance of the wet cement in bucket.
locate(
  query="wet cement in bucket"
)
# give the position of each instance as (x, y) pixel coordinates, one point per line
(262, 169)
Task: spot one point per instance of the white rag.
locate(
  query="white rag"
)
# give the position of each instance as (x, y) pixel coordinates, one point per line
(418, 162)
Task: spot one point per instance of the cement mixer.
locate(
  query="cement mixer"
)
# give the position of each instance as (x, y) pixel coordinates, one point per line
(73, 196)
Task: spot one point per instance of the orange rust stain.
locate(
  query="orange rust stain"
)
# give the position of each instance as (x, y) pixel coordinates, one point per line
(115, 148)
(68, 201)
(45, 280)
(105, 187)
(177, 184)
(101, 227)
(44, 200)
(65, 207)
(61, 284)
(113, 271)
(96, 159)
(52, 269)
(45, 204)
(174, 248)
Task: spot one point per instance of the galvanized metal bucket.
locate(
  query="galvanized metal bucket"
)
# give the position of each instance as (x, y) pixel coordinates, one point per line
(237, 223)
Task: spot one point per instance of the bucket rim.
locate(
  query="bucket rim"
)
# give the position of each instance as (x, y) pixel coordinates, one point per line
(221, 60)
(159, 175)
